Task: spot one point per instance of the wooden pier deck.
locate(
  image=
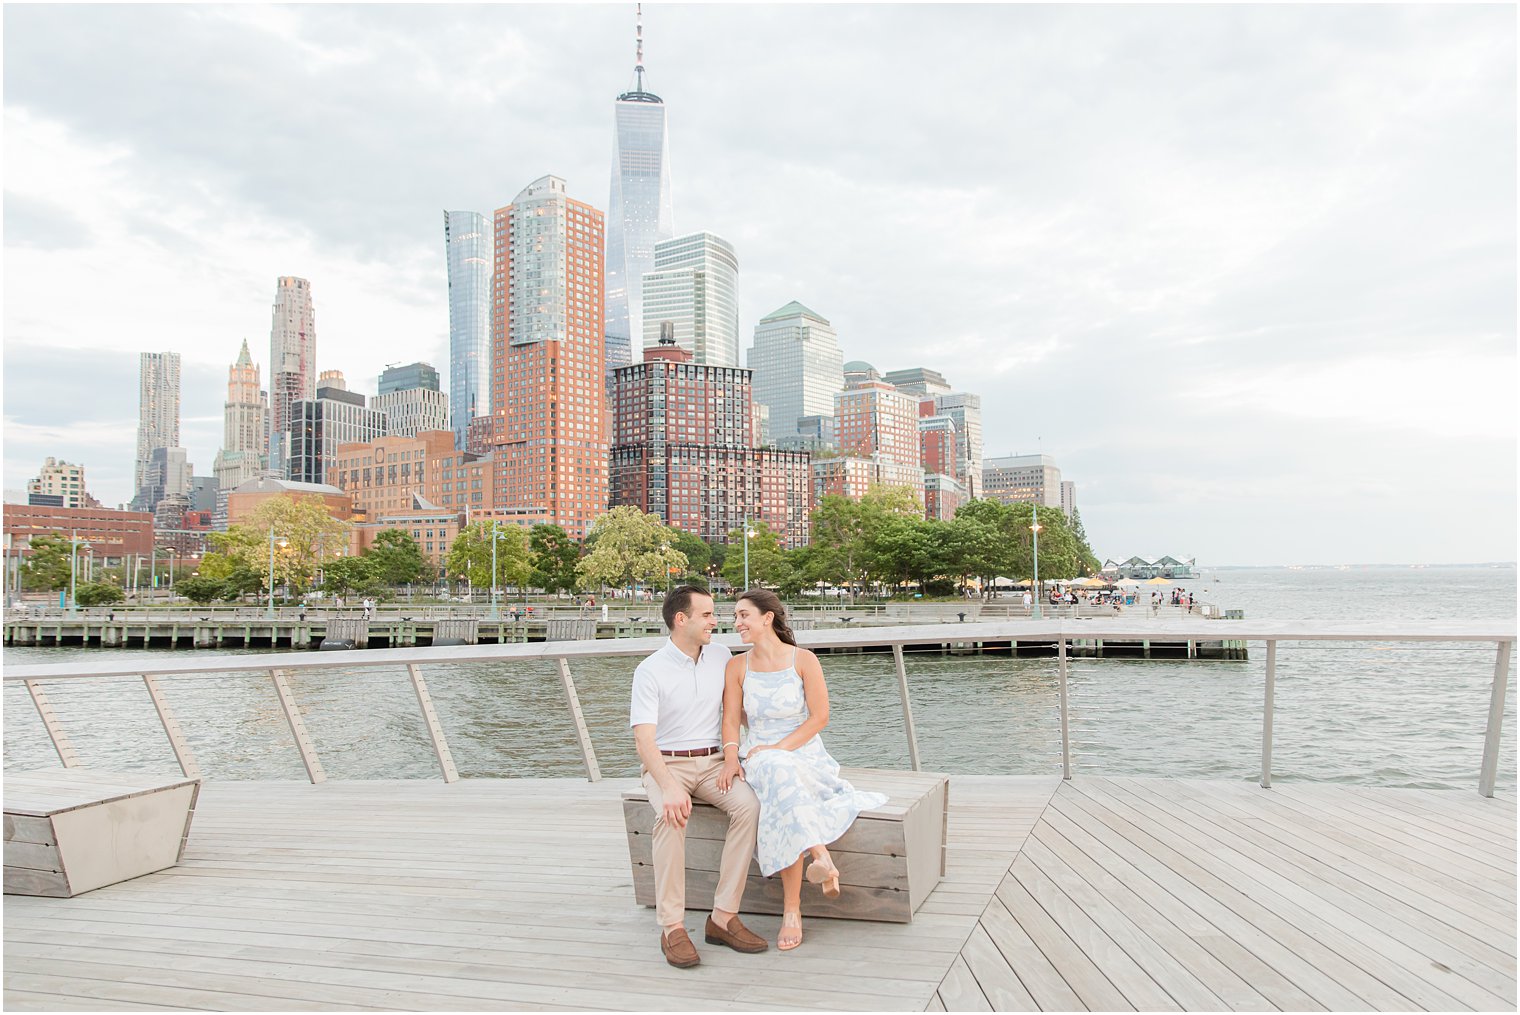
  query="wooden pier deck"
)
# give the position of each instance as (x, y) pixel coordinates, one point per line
(1114, 894)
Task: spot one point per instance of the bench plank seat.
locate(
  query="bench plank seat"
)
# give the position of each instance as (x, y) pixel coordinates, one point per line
(889, 860)
(69, 831)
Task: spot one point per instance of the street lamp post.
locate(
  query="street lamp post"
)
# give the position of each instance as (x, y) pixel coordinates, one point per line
(749, 534)
(269, 611)
(73, 571)
(495, 611)
(1034, 517)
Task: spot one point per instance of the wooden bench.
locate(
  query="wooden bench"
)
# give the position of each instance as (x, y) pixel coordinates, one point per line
(72, 830)
(889, 860)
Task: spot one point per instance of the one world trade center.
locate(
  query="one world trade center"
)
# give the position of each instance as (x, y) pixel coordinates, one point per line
(639, 212)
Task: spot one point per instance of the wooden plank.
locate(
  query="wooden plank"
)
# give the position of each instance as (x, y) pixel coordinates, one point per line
(24, 828)
(1426, 877)
(434, 727)
(1180, 986)
(959, 991)
(1116, 966)
(763, 895)
(1037, 973)
(997, 981)
(1339, 964)
(25, 881)
(1364, 942)
(33, 856)
(50, 723)
(1375, 901)
(1077, 968)
(872, 870)
(177, 741)
(1239, 978)
(935, 1003)
(1285, 952)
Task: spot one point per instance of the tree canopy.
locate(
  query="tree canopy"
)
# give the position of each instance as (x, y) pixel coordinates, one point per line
(627, 546)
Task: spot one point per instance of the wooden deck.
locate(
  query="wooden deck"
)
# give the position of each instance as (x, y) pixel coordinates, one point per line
(516, 894)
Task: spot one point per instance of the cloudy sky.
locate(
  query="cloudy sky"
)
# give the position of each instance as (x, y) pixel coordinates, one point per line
(1248, 273)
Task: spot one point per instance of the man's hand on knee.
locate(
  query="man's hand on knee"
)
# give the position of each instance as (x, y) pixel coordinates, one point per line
(677, 807)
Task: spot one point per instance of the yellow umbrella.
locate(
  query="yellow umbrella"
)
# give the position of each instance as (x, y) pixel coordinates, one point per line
(1159, 581)
(1091, 581)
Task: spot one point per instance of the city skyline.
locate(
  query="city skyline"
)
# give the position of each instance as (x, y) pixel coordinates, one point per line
(1235, 294)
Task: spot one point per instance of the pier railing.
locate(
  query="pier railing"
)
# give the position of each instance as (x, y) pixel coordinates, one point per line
(1061, 633)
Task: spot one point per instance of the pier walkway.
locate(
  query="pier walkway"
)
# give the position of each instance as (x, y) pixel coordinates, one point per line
(1093, 893)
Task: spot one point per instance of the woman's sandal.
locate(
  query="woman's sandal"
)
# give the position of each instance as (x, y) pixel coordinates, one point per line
(789, 920)
(824, 874)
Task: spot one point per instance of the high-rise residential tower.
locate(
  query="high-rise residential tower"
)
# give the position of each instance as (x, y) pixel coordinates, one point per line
(639, 212)
(157, 418)
(467, 247)
(548, 385)
(798, 368)
(694, 287)
(245, 431)
(292, 361)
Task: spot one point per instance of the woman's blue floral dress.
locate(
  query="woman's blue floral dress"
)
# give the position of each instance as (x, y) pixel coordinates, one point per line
(803, 801)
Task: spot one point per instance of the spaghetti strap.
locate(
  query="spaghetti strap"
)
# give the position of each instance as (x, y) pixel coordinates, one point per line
(794, 658)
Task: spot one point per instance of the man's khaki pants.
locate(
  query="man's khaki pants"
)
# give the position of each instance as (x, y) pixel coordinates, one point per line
(699, 777)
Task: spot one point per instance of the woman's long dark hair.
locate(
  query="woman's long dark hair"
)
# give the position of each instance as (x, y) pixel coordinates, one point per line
(767, 601)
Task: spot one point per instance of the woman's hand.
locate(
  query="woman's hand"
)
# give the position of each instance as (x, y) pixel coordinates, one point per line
(731, 771)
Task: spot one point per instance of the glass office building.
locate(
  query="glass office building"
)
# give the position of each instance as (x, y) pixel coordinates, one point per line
(694, 288)
(798, 367)
(467, 243)
(639, 212)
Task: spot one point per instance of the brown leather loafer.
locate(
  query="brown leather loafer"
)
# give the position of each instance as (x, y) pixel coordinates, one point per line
(737, 936)
(678, 949)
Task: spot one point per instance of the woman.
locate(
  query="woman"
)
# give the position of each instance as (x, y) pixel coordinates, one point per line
(804, 804)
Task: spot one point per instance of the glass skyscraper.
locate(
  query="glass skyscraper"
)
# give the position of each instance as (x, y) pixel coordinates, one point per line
(639, 212)
(467, 244)
(694, 287)
(798, 368)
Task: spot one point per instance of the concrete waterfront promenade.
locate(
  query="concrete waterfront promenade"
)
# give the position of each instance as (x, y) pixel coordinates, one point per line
(1097, 893)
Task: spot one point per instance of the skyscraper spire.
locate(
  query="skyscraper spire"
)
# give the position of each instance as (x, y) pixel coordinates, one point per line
(638, 32)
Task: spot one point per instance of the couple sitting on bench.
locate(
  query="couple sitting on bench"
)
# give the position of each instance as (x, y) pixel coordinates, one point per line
(780, 788)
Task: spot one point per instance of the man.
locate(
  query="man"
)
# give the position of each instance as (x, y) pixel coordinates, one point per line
(677, 726)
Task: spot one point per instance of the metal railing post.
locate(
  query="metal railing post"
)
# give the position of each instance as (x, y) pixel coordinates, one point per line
(434, 727)
(907, 707)
(298, 728)
(50, 722)
(177, 741)
(1270, 696)
(593, 773)
(1065, 713)
(1495, 721)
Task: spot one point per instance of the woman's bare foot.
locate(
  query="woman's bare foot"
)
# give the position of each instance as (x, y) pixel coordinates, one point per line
(791, 932)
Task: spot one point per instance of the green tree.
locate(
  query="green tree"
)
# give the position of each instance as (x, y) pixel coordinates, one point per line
(553, 555)
(201, 589)
(98, 594)
(1084, 548)
(698, 554)
(471, 555)
(627, 546)
(768, 564)
(904, 549)
(349, 576)
(303, 531)
(48, 566)
(395, 558)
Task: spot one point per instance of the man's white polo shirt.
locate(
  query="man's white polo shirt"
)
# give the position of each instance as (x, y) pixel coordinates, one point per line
(682, 696)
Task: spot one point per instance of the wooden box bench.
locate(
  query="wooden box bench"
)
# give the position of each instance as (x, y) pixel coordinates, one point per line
(889, 860)
(72, 830)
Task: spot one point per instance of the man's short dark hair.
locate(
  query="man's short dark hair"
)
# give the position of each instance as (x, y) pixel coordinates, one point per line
(678, 600)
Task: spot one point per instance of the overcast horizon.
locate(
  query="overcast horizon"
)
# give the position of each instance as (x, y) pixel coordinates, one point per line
(1247, 273)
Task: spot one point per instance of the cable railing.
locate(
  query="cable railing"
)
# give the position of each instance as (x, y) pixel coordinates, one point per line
(1063, 633)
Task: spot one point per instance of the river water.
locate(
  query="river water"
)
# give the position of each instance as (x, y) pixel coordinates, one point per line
(1389, 715)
